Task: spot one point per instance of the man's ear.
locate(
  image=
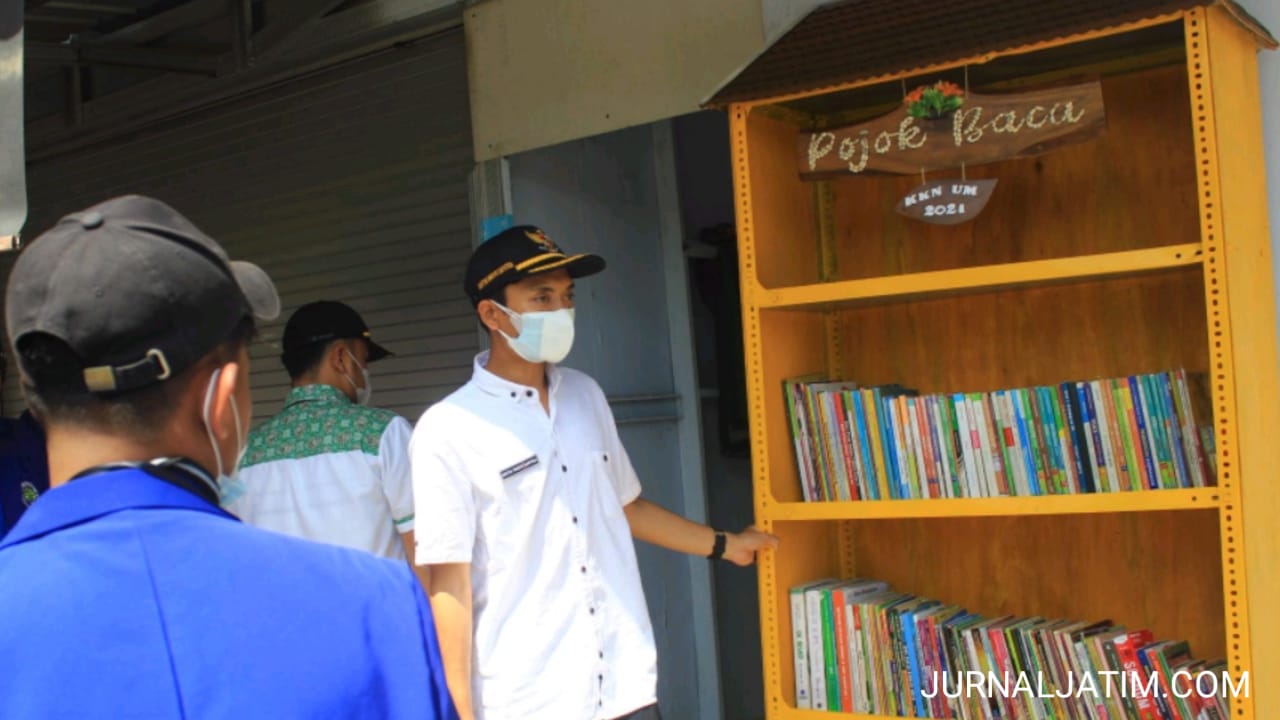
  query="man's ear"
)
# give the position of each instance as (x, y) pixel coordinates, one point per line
(336, 356)
(491, 315)
(220, 405)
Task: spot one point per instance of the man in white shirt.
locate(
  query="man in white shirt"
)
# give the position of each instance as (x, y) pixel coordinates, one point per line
(328, 467)
(527, 504)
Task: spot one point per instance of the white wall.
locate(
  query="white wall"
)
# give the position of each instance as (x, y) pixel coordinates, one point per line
(779, 16)
(544, 72)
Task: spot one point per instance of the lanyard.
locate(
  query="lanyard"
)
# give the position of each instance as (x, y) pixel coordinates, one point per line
(179, 472)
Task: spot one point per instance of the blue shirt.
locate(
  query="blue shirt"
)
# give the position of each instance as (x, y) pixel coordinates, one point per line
(24, 468)
(124, 596)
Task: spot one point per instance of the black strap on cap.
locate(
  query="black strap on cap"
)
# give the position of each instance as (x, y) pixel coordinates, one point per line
(322, 337)
(152, 368)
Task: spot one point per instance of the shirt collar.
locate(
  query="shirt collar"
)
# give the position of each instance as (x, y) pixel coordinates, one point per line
(501, 387)
(91, 497)
(318, 392)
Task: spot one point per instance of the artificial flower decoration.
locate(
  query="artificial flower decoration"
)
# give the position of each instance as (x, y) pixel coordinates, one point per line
(934, 101)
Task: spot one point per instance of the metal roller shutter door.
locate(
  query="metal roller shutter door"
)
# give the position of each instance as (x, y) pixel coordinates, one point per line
(349, 184)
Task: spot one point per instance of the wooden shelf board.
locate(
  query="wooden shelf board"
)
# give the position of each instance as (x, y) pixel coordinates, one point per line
(792, 713)
(980, 278)
(1130, 501)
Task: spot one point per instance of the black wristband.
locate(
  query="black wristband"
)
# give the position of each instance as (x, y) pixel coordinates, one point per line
(718, 551)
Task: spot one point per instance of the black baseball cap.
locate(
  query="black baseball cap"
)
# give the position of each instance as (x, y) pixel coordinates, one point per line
(135, 290)
(325, 321)
(516, 253)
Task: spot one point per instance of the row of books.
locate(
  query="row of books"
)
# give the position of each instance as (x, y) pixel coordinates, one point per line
(1141, 432)
(861, 647)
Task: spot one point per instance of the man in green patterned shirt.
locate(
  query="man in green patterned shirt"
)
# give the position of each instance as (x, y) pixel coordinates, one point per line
(328, 467)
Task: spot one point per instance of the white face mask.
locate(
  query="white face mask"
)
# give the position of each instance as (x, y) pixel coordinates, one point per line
(363, 394)
(542, 336)
(225, 474)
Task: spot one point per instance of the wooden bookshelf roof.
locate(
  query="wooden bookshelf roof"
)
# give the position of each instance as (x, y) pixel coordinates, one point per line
(846, 41)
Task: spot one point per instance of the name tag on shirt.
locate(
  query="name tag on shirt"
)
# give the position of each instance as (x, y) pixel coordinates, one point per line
(520, 467)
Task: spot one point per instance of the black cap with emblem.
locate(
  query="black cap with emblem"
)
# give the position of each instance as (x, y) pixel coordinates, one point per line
(324, 321)
(515, 254)
(136, 290)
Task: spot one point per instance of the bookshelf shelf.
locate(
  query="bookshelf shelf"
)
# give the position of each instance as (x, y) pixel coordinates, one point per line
(1119, 502)
(1151, 259)
(792, 713)
(826, 296)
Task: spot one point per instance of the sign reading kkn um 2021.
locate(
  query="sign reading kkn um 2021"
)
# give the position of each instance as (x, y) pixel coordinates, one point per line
(983, 129)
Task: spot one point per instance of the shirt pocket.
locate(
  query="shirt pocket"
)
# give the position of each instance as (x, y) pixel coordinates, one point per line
(517, 487)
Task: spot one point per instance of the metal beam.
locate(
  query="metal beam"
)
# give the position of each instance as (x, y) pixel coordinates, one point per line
(294, 18)
(50, 54)
(76, 20)
(75, 95)
(169, 21)
(241, 32)
(93, 7)
(124, 56)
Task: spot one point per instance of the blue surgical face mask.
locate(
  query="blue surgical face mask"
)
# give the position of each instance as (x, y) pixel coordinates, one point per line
(545, 336)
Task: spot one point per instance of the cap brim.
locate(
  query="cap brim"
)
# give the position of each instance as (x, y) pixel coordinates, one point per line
(578, 266)
(376, 351)
(584, 265)
(264, 301)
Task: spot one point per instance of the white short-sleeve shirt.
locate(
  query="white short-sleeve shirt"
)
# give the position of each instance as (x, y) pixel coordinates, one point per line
(328, 470)
(534, 502)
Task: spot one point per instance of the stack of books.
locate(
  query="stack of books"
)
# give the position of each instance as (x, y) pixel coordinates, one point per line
(861, 647)
(1141, 432)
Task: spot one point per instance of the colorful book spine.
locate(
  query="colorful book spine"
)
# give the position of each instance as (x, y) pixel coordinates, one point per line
(1137, 433)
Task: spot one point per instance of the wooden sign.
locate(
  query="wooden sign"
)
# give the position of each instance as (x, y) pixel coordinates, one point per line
(947, 202)
(985, 128)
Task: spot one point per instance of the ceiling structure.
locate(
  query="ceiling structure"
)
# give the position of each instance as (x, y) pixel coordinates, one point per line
(77, 50)
(89, 64)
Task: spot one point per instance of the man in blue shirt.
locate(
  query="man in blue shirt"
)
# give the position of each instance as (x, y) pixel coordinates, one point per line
(24, 470)
(125, 591)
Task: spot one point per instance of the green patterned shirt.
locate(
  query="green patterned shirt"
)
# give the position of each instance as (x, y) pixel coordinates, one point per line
(317, 419)
(328, 470)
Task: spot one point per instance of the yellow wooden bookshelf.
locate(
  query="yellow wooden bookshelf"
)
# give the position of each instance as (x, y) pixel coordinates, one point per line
(1142, 250)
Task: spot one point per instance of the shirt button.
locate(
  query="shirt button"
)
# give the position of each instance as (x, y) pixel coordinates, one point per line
(601, 654)
(528, 393)
(575, 519)
(513, 393)
(592, 611)
(584, 568)
(606, 458)
(564, 468)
